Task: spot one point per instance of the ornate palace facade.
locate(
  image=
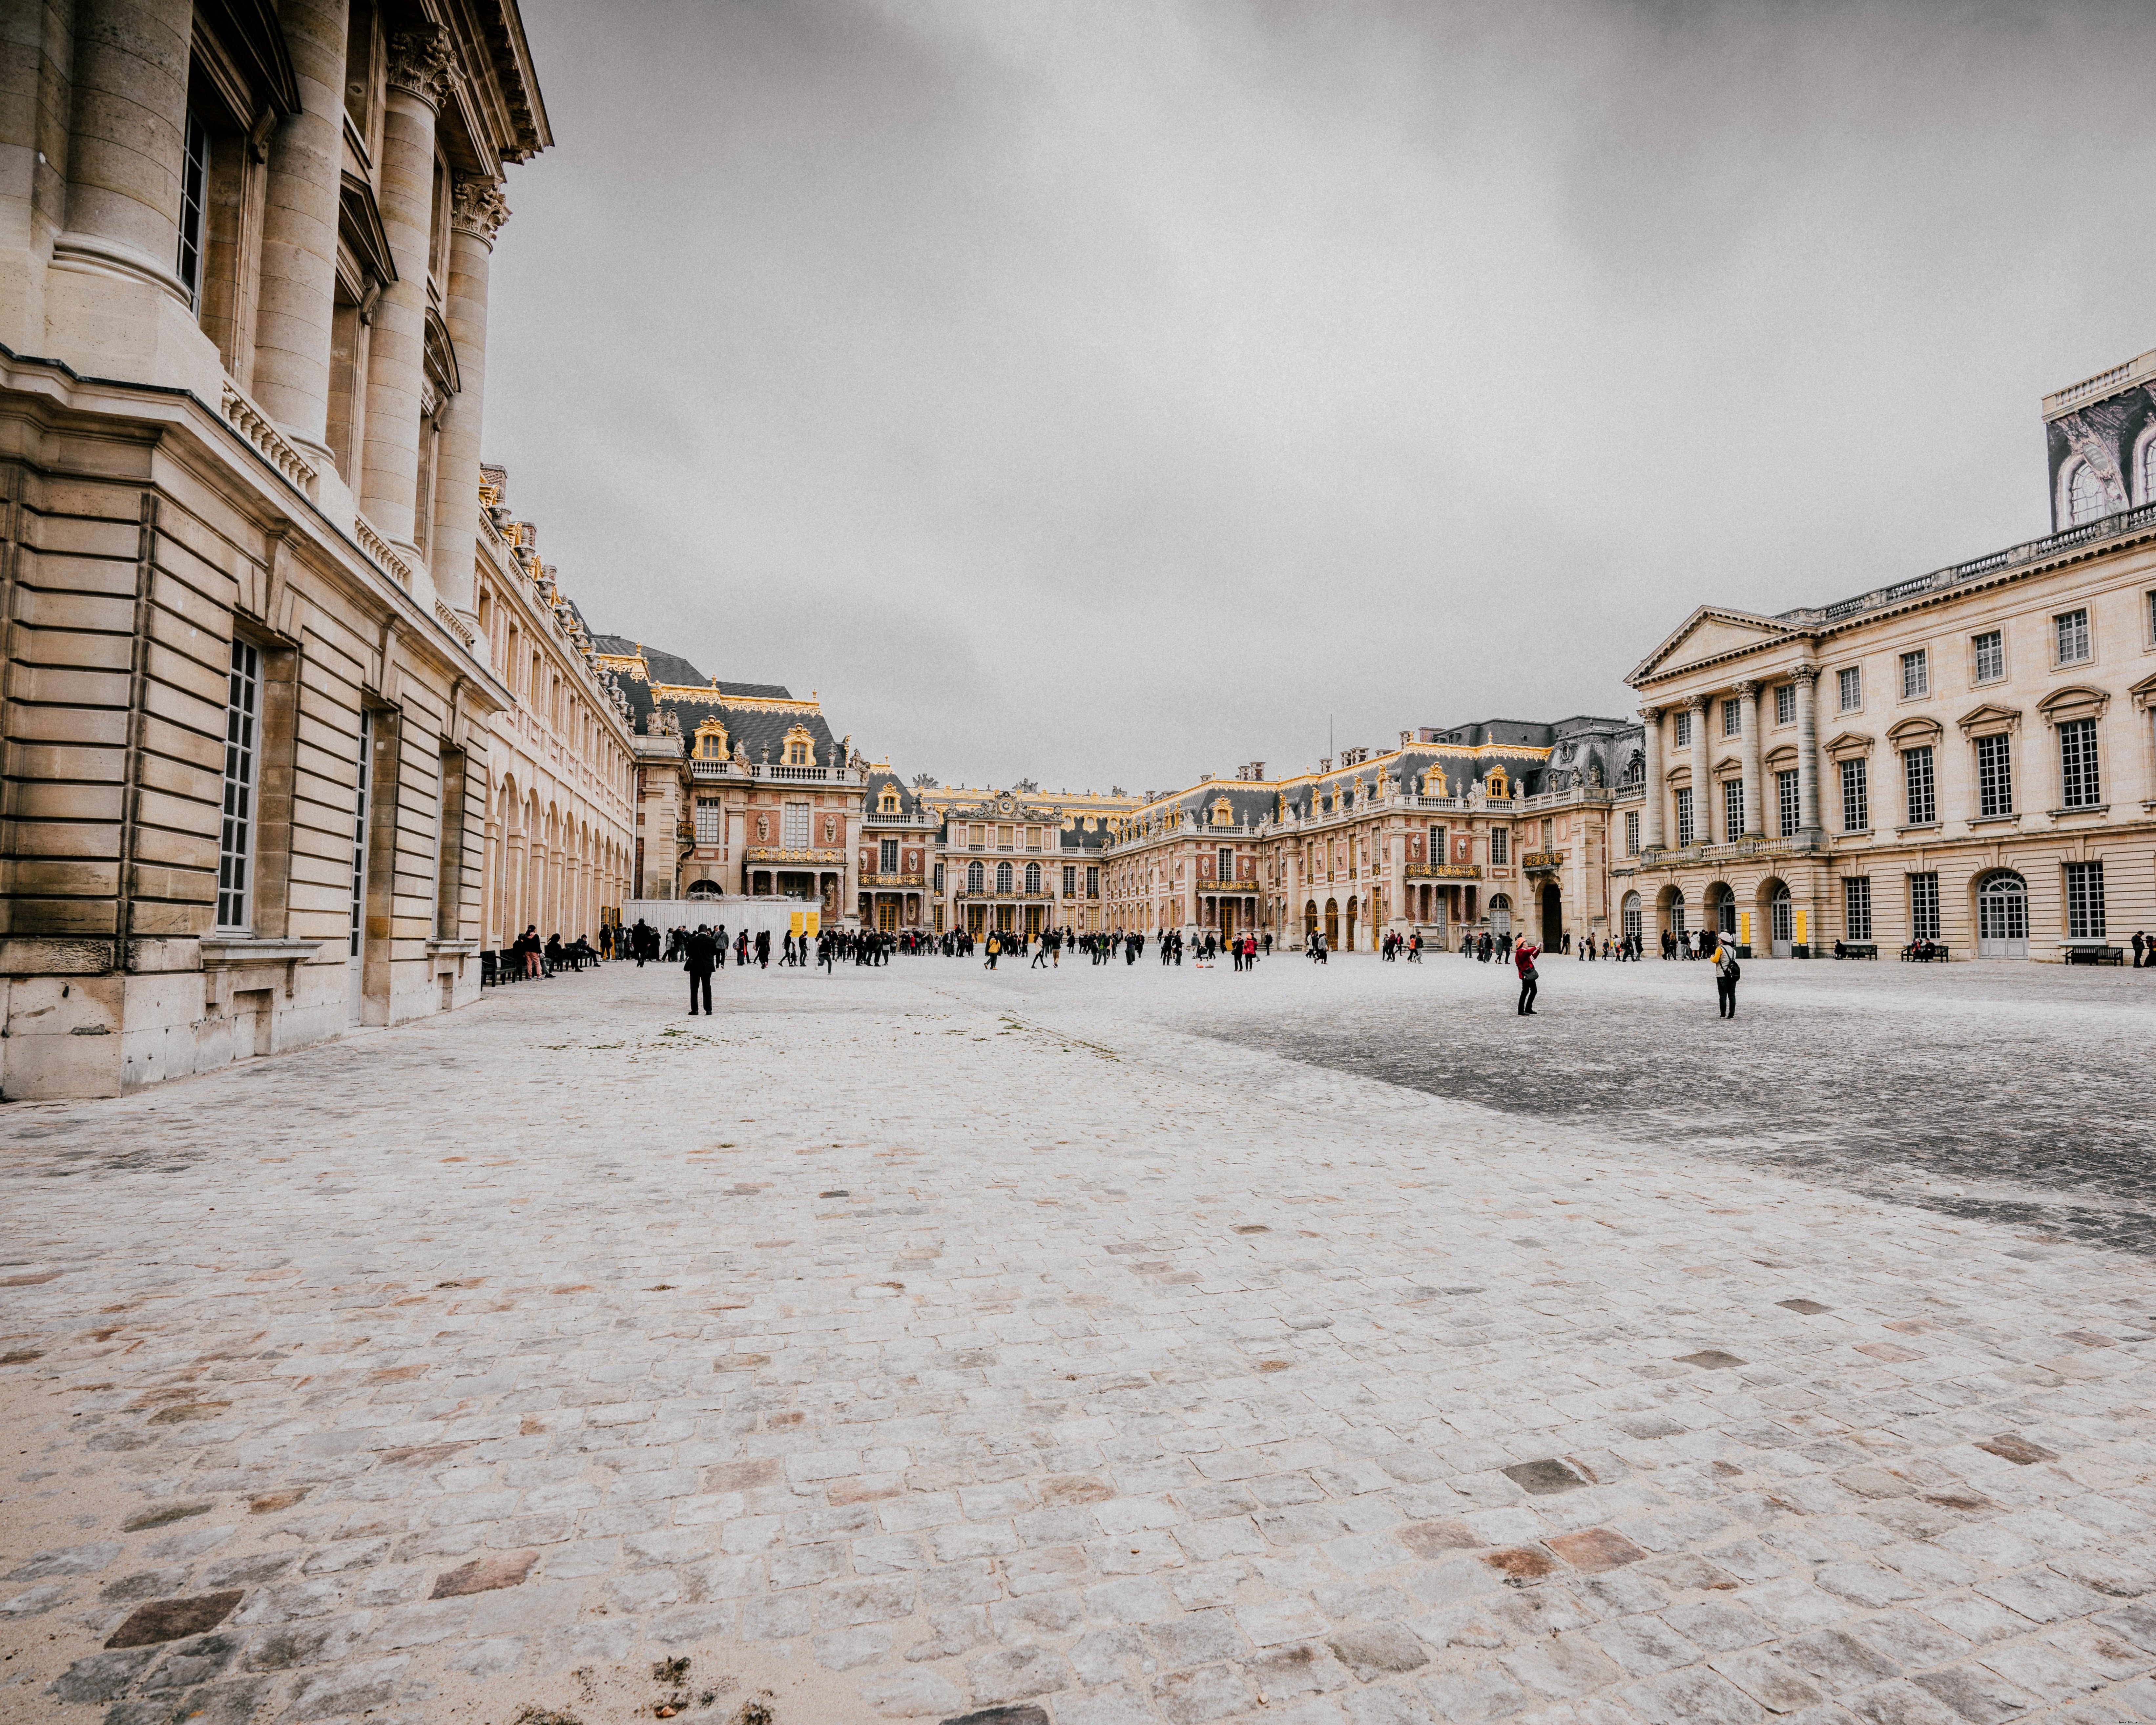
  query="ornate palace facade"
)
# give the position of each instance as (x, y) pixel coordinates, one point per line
(250, 697)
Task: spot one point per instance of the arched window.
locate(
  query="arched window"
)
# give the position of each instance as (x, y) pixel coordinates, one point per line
(974, 877)
(1631, 916)
(1002, 877)
(2002, 917)
(2085, 498)
(1033, 877)
(2144, 469)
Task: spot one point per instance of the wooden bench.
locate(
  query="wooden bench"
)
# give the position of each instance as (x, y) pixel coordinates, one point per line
(1858, 949)
(1938, 955)
(2096, 955)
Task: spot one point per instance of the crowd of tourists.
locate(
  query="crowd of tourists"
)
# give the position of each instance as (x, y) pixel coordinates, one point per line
(704, 950)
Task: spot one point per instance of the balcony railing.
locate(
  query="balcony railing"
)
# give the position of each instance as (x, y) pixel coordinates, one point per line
(725, 769)
(986, 894)
(1210, 888)
(2029, 551)
(1542, 861)
(1444, 872)
(891, 883)
(774, 853)
(1743, 849)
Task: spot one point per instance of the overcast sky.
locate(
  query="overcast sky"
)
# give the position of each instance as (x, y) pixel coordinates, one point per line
(1120, 391)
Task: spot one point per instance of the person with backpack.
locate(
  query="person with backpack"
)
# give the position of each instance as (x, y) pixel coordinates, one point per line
(1725, 973)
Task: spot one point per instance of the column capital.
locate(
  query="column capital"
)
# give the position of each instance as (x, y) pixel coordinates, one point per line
(420, 62)
(478, 208)
(1652, 715)
(1749, 689)
(1806, 673)
(1697, 703)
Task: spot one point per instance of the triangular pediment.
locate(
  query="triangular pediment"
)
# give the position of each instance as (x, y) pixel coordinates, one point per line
(1711, 632)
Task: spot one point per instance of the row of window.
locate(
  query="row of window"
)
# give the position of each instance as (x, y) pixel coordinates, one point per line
(2073, 642)
(2081, 786)
(1006, 879)
(2002, 905)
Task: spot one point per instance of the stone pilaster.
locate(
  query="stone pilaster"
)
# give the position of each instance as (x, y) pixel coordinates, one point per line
(1703, 817)
(476, 214)
(1657, 803)
(1807, 803)
(299, 232)
(397, 366)
(1755, 821)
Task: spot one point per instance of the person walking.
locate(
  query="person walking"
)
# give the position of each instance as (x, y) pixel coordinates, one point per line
(1726, 973)
(995, 948)
(1523, 960)
(2140, 945)
(700, 957)
(763, 949)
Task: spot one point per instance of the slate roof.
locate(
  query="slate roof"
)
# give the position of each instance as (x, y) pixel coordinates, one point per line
(760, 729)
(880, 778)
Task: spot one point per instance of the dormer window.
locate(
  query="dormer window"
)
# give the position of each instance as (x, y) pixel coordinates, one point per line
(888, 803)
(711, 741)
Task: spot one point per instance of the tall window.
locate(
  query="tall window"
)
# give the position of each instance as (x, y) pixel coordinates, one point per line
(2080, 784)
(1916, 674)
(707, 820)
(794, 832)
(1991, 656)
(1092, 883)
(2144, 469)
(975, 878)
(1995, 776)
(1732, 810)
(2084, 901)
(1917, 780)
(2085, 500)
(1733, 717)
(1856, 908)
(235, 844)
(1786, 704)
(359, 832)
(1684, 817)
(194, 201)
(1855, 799)
(1003, 877)
(1071, 880)
(1684, 730)
(887, 856)
(1786, 801)
(1223, 863)
(1631, 832)
(1924, 907)
(1850, 680)
(1501, 845)
(1033, 877)
(2070, 629)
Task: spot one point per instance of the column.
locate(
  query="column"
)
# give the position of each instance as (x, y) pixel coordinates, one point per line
(299, 232)
(1755, 822)
(1702, 772)
(126, 139)
(1807, 803)
(397, 363)
(1657, 801)
(476, 214)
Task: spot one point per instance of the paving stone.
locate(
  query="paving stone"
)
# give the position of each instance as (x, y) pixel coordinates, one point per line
(1087, 1448)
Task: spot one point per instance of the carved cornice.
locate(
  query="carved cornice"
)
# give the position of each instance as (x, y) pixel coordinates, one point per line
(478, 208)
(420, 62)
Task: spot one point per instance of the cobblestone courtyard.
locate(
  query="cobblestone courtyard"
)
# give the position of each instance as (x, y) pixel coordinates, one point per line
(1104, 1345)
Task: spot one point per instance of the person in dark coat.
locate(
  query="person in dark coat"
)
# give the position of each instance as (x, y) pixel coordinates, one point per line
(699, 956)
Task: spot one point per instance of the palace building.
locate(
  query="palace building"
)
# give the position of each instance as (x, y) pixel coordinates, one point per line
(1964, 756)
(1502, 825)
(1020, 860)
(740, 788)
(251, 698)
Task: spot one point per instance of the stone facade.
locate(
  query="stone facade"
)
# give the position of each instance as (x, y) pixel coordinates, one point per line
(1964, 756)
(248, 702)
